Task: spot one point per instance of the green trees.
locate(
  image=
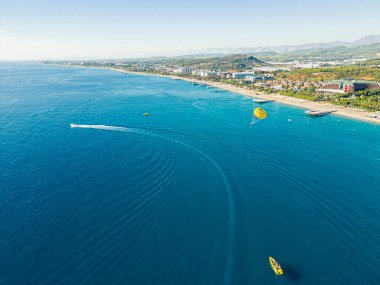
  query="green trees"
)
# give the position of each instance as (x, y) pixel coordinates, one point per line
(326, 73)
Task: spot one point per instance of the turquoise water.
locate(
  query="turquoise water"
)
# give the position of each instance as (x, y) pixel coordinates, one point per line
(189, 195)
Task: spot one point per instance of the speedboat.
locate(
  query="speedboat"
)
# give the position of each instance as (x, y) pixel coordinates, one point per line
(73, 125)
(275, 266)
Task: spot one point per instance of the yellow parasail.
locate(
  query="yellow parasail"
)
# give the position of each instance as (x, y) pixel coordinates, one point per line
(259, 113)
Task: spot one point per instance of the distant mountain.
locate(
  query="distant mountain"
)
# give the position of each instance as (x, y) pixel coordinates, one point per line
(223, 62)
(365, 48)
(235, 62)
(209, 62)
(367, 40)
(339, 53)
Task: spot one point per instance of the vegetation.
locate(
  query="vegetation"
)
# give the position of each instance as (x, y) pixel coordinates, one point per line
(229, 62)
(308, 94)
(367, 99)
(323, 74)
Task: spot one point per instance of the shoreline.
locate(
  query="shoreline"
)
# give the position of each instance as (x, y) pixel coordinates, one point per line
(351, 113)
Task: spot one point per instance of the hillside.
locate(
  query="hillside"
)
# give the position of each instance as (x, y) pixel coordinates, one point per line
(228, 62)
(366, 40)
(323, 74)
(328, 54)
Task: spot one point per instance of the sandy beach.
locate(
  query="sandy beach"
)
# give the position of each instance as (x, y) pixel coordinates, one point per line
(352, 113)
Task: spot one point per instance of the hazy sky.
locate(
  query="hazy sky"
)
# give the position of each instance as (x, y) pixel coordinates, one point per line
(65, 29)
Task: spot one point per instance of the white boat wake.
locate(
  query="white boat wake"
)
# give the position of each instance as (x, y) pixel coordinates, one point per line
(99, 127)
(232, 214)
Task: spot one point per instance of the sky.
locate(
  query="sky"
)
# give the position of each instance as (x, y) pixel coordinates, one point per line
(99, 29)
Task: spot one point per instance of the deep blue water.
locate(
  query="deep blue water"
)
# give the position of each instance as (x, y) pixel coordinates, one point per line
(189, 195)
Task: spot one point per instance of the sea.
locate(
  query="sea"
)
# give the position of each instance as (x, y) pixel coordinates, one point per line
(190, 194)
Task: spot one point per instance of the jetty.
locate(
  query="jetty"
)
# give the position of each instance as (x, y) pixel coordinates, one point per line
(261, 100)
(318, 113)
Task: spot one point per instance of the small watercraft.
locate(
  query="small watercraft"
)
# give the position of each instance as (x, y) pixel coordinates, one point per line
(261, 100)
(317, 113)
(73, 125)
(146, 114)
(275, 266)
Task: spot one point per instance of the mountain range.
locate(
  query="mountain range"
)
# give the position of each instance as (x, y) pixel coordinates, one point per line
(367, 40)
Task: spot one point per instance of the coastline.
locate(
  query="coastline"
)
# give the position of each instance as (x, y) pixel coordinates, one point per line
(351, 113)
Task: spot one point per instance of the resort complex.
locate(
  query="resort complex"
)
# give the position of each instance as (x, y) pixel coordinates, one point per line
(346, 86)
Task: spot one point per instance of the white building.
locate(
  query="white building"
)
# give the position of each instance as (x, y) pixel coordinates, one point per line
(259, 78)
(270, 69)
(209, 74)
(242, 75)
(224, 74)
(183, 70)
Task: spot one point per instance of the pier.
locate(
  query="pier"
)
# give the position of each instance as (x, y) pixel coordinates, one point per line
(261, 100)
(318, 113)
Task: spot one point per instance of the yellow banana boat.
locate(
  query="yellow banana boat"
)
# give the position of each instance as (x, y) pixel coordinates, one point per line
(275, 266)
